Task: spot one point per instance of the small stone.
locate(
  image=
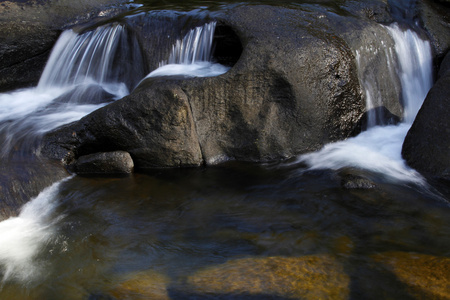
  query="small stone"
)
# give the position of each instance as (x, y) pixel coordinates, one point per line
(117, 162)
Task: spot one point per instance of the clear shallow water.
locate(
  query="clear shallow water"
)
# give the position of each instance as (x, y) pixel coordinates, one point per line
(90, 233)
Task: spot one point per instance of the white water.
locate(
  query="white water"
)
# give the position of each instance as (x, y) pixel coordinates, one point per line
(191, 56)
(78, 65)
(379, 148)
(23, 237)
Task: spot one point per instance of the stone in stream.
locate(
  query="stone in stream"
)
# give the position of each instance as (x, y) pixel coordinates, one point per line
(425, 276)
(308, 277)
(293, 89)
(117, 162)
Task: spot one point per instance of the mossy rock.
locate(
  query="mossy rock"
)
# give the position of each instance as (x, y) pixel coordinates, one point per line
(308, 277)
(425, 276)
(142, 285)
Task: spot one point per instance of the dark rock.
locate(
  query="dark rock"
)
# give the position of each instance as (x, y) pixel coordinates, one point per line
(21, 180)
(444, 69)
(117, 162)
(154, 125)
(427, 144)
(436, 21)
(293, 89)
(350, 181)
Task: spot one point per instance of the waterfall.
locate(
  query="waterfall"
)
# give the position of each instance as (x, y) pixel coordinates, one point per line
(192, 55)
(379, 148)
(194, 47)
(367, 60)
(416, 72)
(103, 55)
(84, 72)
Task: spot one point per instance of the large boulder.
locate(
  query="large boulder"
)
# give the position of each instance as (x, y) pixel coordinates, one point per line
(30, 29)
(154, 125)
(427, 144)
(294, 88)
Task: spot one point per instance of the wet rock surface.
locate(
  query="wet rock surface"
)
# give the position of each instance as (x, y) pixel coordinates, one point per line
(427, 144)
(117, 162)
(293, 89)
(425, 276)
(309, 277)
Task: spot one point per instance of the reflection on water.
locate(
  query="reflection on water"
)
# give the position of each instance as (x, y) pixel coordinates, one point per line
(177, 222)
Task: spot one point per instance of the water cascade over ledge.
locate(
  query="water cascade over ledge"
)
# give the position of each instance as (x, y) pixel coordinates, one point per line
(84, 72)
(192, 55)
(379, 148)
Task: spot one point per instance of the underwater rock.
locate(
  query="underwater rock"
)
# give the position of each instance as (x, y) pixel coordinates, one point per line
(308, 277)
(425, 276)
(142, 285)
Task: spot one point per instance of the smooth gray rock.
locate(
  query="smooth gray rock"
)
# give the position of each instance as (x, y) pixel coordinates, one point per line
(116, 162)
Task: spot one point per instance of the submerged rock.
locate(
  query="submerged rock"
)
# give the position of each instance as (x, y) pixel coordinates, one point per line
(425, 276)
(427, 144)
(308, 277)
(140, 286)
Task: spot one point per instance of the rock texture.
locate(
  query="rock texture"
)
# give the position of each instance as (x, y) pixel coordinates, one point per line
(154, 125)
(435, 17)
(309, 277)
(117, 162)
(293, 89)
(425, 276)
(427, 144)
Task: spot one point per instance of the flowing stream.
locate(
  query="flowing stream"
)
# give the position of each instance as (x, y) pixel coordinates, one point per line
(109, 238)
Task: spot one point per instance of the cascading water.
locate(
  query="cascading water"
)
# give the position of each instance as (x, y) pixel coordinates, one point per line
(84, 72)
(191, 56)
(379, 148)
(22, 237)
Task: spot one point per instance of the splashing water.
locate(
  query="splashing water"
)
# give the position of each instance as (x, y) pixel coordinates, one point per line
(23, 237)
(379, 148)
(191, 56)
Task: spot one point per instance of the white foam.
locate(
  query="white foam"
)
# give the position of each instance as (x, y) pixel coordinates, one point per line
(197, 69)
(23, 237)
(377, 149)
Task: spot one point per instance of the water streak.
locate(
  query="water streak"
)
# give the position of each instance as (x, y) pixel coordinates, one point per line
(196, 46)
(192, 56)
(23, 237)
(84, 72)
